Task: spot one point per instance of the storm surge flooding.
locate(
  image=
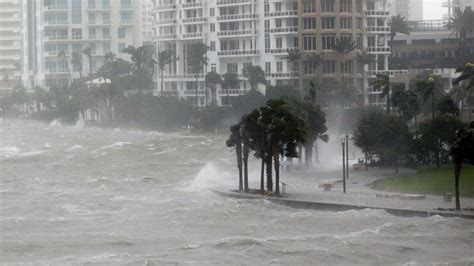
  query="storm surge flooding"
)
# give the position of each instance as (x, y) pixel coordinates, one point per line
(74, 194)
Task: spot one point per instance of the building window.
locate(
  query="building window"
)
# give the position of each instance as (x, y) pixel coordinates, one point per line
(279, 43)
(92, 33)
(278, 23)
(121, 46)
(328, 41)
(106, 47)
(348, 67)
(91, 18)
(76, 12)
(346, 22)
(213, 27)
(106, 4)
(268, 67)
(106, 33)
(328, 67)
(91, 4)
(327, 23)
(106, 18)
(310, 67)
(309, 23)
(309, 6)
(121, 33)
(309, 42)
(77, 34)
(126, 16)
(213, 46)
(212, 12)
(279, 66)
(232, 68)
(126, 3)
(346, 6)
(327, 6)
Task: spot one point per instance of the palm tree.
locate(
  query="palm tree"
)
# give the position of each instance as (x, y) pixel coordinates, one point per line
(62, 57)
(344, 47)
(461, 150)
(255, 75)
(364, 59)
(76, 61)
(285, 130)
(88, 53)
(398, 24)
(164, 58)
(143, 65)
(197, 58)
(229, 81)
(462, 23)
(211, 80)
(235, 140)
(294, 57)
(427, 89)
(382, 82)
(467, 74)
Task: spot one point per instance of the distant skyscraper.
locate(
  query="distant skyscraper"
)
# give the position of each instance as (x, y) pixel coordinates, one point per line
(52, 26)
(146, 20)
(9, 42)
(453, 6)
(412, 10)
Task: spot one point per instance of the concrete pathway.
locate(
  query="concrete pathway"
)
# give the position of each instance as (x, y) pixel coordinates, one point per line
(303, 186)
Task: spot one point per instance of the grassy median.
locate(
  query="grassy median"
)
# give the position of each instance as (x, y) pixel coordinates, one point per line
(431, 181)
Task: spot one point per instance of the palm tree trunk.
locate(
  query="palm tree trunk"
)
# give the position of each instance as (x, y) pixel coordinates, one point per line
(238, 150)
(162, 82)
(300, 153)
(308, 154)
(366, 161)
(262, 176)
(276, 162)
(268, 167)
(246, 171)
(197, 88)
(433, 107)
(457, 174)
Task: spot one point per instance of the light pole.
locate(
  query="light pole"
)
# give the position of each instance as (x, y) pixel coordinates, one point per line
(343, 166)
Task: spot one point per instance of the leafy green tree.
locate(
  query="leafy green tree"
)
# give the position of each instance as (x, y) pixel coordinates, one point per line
(398, 24)
(446, 105)
(462, 149)
(281, 90)
(367, 132)
(243, 104)
(197, 58)
(467, 75)
(429, 87)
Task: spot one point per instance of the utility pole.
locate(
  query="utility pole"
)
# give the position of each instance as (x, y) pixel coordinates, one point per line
(347, 157)
(343, 166)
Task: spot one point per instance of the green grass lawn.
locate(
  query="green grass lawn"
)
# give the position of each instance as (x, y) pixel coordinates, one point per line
(431, 181)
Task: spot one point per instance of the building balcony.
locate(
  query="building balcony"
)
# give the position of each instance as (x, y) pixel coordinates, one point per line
(232, 53)
(280, 51)
(56, 38)
(392, 73)
(98, 9)
(127, 23)
(195, 20)
(377, 13)
(180, 77)
(236, 33)
(167, 37)
(451, 3)
(237, 17)
(62, 23)
(191, 5)
(285, 30)
(283, 14)
(57, 71)
(284, 75)
(231, 92)
(165, 22)
(193, 92)
(170, 7)
(378, 50)
(233, 2)
(378, 29)
(192, 35)
(62, 8)
(127, 7)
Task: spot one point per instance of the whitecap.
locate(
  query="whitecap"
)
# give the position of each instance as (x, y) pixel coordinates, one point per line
(55, 123)
(75, 147)
(165, 151)
(116, 145)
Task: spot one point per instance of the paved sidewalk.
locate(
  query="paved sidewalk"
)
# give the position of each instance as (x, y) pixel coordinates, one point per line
(303, 186)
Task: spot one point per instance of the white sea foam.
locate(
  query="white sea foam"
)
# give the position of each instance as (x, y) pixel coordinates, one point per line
(116, 145)
(75, 147)
(55, 123)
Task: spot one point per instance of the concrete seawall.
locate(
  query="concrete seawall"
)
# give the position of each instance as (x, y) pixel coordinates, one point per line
(334, 206)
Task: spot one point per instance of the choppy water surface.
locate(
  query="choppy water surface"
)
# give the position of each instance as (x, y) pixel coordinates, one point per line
(87, 195)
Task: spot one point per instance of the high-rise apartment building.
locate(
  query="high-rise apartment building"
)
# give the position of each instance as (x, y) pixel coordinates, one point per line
(52, 26)
(240, 33)
(146, 19)
(453, 6)
(412, 10)
(9, 42)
